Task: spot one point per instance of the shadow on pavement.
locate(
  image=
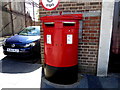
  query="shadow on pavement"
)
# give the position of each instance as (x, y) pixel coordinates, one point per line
(93, 82)
(13, 65)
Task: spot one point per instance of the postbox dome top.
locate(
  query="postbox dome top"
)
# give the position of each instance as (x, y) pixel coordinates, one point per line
(63, 17)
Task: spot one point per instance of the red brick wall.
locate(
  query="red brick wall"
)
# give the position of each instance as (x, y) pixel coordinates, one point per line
(88, 45)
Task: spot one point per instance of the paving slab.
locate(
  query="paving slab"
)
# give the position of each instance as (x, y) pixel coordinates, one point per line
(87, 81)
(18, 75)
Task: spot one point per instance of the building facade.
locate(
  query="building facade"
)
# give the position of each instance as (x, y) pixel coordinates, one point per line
(13, 17)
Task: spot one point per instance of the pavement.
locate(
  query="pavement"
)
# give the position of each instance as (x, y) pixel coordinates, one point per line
(87, 82)
(17, 74)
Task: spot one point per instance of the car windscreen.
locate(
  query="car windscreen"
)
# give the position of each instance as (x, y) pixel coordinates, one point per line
(30, 31)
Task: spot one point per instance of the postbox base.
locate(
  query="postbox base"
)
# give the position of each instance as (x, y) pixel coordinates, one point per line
(61, 75)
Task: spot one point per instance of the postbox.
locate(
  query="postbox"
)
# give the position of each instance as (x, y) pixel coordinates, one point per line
(61, 47)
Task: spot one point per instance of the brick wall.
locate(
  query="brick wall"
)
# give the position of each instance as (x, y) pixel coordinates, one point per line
(88, 45)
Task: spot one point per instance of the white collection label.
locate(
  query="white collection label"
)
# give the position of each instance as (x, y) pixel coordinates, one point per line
(49, 39)
(69, 39)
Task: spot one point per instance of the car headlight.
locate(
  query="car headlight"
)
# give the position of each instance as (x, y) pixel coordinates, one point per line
(30, 44)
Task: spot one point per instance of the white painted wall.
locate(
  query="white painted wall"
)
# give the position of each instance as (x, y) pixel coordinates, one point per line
(105, 37)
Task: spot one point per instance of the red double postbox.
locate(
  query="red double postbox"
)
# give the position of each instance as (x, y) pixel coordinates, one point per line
(61, 47)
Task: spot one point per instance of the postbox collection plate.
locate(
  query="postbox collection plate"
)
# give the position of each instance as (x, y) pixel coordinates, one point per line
(69, 39)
